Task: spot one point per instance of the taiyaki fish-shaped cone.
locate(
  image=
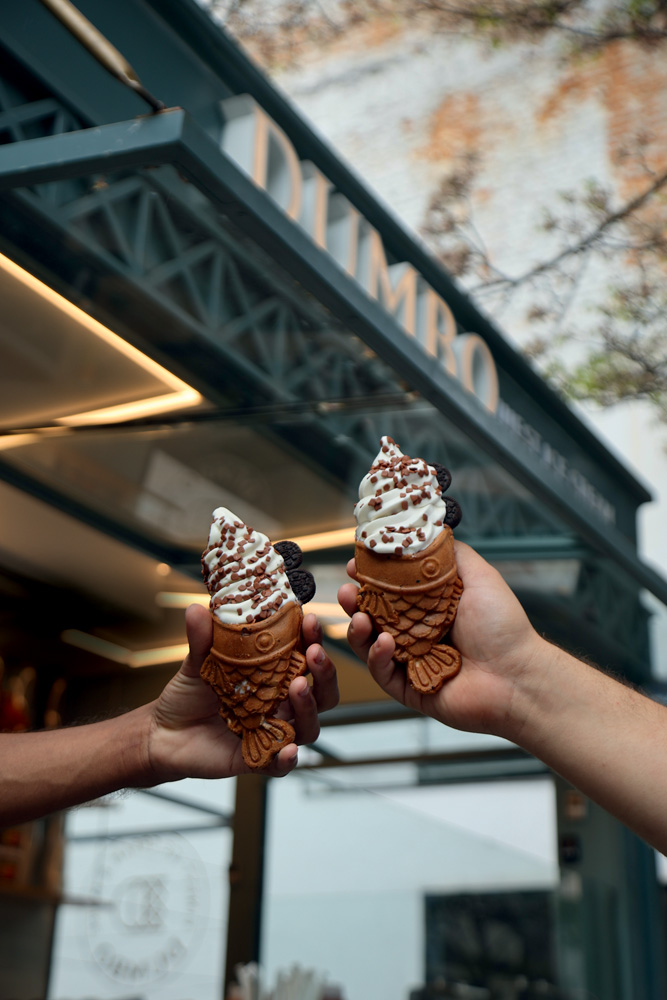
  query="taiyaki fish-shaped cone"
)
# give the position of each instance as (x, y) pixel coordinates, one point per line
(257, 618)
(415, 599)
(250, 668)
(404, 554)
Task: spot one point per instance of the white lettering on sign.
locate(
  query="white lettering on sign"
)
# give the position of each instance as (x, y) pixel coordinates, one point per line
(263, 151)
(558, 463)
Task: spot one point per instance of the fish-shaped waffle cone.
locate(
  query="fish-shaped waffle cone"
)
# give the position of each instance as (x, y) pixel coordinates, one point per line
(250, 667)
(415, 598)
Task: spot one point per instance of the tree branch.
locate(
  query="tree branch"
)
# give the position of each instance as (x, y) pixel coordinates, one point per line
(587, 241)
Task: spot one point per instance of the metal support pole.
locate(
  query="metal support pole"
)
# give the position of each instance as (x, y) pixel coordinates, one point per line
(246, 874)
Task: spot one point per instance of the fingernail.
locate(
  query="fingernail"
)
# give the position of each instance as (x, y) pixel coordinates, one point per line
(305, 691)
(321, 657)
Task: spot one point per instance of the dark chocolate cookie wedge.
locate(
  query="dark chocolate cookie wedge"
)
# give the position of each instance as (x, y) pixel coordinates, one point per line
(291, 554)
(303, 584)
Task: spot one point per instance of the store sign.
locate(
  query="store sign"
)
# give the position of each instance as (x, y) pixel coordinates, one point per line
(263, 151)
(550, 458)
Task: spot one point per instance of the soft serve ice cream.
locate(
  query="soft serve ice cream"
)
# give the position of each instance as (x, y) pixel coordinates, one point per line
(244, 574)
(257, 621)
(404, 556)
(401, 508)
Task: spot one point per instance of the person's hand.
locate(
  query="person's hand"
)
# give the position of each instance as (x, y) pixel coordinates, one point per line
(498, 646)
(188, 738)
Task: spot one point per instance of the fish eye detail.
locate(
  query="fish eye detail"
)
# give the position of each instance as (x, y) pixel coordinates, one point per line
(430, 568)
(265, 641)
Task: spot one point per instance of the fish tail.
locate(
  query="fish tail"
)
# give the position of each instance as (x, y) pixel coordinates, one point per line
(428, 673)
(260, 745)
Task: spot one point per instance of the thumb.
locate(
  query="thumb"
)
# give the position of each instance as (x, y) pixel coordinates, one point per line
(199, 630)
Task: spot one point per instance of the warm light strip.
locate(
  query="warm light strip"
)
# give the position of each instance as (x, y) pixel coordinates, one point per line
(182, 394)
(325, 539)
(8, 441)
(134, 411)
(119, 654)
(93, 644)
(162, 654)
(167, 599)
(337, 631)
(325, 610)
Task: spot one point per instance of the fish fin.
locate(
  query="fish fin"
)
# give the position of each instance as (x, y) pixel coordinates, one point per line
(260, 745)
(211, 673)
(208, 671)
(375, 604)
(428, 673)
(297, 665)
(454, 598)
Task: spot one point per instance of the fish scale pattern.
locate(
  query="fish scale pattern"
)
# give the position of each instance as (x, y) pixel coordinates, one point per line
(415, 599)
(250, 668)
(269, 686)
(419, 621)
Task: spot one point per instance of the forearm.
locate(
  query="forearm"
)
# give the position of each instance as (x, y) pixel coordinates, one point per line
(607, 739)
(47, 771)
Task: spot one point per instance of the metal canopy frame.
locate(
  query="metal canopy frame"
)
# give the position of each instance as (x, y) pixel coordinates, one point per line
(174, 138)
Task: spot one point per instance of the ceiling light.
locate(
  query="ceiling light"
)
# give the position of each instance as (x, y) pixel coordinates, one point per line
(120, 654)
(325, 539)
(168, 599)
(8, 441)
(180, 394)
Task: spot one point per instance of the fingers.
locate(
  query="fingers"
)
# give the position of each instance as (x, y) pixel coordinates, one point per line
(361, 635)
(375, 650)
(347, 598)
(325, 682)
(311, 629)
(306, 701)
(199, 630)
(383, 669)
(284, 762)
(305, 718)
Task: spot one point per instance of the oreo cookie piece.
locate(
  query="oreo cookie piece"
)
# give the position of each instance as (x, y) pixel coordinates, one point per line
(302, 583)
(443, 476)
(291, 555)
(454, 513)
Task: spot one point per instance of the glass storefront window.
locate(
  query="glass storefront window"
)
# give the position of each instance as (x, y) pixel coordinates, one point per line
(351, 873)
(145, 895)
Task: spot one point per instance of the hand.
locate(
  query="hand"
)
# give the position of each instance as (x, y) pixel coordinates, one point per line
(188, 738)
(497, 643)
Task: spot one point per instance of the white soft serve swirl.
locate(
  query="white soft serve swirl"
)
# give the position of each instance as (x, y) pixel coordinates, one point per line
(400, 508)
(244, 574)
